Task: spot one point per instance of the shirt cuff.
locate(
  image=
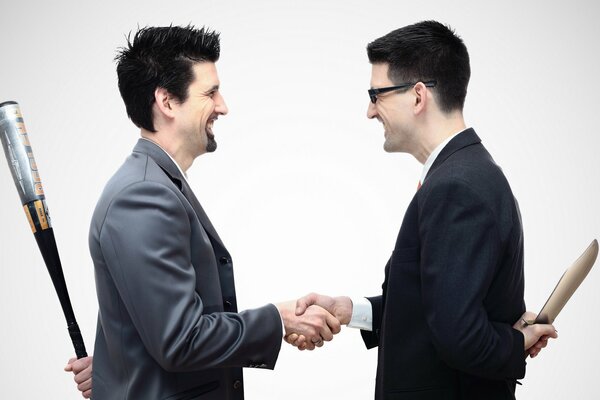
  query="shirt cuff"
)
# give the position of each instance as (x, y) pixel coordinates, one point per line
(362, 314)
(282, 324)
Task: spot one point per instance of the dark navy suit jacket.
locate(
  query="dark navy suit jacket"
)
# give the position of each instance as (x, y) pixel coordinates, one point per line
(453, 286)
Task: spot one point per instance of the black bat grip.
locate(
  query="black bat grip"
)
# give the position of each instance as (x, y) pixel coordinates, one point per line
(47, 244)
(77, 340)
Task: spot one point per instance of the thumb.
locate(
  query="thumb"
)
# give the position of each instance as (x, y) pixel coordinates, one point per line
(547, 330)
(304, 302)
(69, 367)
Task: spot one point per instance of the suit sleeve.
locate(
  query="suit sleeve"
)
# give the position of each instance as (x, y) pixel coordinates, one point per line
(145, 239)
(460, 252)
(371, 338)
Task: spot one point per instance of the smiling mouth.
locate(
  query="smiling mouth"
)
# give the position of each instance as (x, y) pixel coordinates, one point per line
(209, 126)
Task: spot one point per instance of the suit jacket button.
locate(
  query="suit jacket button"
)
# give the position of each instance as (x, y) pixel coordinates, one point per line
(237, 384)
(227, 304)
(223, 260)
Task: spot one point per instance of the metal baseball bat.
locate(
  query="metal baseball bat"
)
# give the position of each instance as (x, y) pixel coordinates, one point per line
(25, 173)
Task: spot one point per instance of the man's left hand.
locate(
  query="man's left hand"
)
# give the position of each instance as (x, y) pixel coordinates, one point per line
(536, 335)
(82, 369)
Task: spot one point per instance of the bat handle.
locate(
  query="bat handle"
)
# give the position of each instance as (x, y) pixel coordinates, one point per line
(77, 340)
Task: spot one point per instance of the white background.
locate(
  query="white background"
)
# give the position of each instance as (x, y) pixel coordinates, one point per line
(300, 188)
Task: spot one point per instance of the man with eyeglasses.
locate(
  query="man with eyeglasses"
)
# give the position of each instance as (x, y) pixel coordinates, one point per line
(444, 323)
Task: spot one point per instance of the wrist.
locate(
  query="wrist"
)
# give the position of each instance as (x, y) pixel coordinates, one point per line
(343, 309)
(284, 312)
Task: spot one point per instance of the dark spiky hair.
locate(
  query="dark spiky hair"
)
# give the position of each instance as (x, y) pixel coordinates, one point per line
(161, 57)
(426, 50)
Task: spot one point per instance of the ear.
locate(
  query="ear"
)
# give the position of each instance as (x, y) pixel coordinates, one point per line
(422, 98)
(164, 102)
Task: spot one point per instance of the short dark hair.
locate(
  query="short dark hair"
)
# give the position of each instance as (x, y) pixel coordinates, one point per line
(161, 57)
(427, 50)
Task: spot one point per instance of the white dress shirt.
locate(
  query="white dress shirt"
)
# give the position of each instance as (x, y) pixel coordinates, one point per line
(362, 311)
(172, 159)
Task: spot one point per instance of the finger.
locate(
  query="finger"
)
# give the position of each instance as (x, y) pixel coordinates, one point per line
(81, 364)
(320, 343)
(535, 353)
(69, 367)
(325, 333)
(83, 376)
(541, 345)
(87, 385)
(304, 302)
(333, 324)
(301, 339)
(531, 351)
(87, 394)
(291, 338)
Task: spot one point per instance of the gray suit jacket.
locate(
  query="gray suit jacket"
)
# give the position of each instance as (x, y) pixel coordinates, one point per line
(168, 326)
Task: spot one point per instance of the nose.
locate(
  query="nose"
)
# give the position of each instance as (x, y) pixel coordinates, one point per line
(220, 106)
(371, 111)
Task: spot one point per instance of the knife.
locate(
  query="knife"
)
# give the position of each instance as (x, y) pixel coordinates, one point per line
(566, 286)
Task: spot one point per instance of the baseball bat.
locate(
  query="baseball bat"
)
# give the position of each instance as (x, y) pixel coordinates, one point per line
(25, 173)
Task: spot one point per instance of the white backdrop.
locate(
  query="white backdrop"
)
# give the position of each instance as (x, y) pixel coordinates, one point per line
(300, 188)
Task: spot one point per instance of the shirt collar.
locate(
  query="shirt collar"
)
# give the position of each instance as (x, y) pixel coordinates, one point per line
(436, 152)
(172, 159)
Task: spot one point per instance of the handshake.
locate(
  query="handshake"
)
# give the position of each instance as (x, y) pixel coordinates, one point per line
(314, 319)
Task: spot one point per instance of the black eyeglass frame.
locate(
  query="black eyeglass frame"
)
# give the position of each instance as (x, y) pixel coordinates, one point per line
(374, 92)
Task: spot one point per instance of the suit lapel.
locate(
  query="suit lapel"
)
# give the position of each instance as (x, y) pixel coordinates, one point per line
(168, 166)
(462, 140)
(208, 226)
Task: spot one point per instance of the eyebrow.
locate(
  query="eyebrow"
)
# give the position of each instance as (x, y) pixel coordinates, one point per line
(212, 89)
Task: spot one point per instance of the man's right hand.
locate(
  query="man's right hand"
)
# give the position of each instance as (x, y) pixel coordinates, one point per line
(82, 369)
(314, 326)
(339, 307)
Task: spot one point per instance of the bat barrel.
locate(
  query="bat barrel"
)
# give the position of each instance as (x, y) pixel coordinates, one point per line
(19, 153)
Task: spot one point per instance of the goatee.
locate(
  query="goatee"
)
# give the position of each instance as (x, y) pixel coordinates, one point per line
(211, 144)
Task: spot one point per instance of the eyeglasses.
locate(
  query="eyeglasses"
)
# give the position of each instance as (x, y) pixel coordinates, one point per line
(374, 92)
